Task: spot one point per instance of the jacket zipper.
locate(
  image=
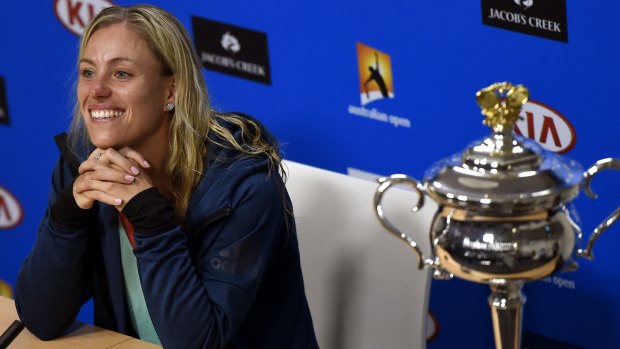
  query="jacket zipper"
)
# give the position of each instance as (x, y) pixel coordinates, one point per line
(215, 216)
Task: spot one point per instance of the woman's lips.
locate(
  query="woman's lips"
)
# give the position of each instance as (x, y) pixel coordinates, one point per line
(105, 113)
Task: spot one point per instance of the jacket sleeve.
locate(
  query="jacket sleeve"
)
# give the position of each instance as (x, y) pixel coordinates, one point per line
(52, 284)
(201, 303)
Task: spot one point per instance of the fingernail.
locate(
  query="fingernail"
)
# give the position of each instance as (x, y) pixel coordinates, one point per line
(134, 170)
(146, 164)
(118, 201)
(129, 178)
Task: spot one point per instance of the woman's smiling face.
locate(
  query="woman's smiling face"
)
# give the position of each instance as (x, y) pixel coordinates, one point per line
(122, 91)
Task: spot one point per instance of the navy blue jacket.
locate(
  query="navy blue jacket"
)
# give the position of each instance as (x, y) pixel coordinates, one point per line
(228, 277)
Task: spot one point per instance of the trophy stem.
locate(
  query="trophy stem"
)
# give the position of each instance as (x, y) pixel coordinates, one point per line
(506, 302)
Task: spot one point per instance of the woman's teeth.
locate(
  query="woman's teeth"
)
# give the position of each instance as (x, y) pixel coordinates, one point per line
(105, 114)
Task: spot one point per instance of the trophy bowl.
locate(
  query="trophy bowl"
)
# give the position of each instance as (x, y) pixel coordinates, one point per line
(505, 215)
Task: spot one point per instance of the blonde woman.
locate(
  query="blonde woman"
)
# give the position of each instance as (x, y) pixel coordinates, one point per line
(173, 218)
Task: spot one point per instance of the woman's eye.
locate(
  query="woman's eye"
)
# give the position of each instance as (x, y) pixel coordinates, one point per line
(87, 73)
(122, 74)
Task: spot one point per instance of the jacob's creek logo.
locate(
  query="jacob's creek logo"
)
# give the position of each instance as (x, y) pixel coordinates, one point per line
(5, 289)
(376, 83)
(232, 50)
(524, 3)
(4, 108)
(547, 126)
(230, 43)
(76, 14)
(544, 18)
(11, 212)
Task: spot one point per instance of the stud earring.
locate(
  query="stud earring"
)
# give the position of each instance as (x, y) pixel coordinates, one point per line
(170, 106)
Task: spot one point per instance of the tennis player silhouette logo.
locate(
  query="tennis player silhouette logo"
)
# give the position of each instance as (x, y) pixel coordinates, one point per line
(375, 75)
(375, 71)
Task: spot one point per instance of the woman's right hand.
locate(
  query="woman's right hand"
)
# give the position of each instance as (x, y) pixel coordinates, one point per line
(104, 170)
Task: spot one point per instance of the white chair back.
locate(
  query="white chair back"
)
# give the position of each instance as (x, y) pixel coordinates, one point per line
(362, 283)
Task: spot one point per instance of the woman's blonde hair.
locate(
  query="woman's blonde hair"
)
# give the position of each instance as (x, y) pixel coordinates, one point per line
(192, 120)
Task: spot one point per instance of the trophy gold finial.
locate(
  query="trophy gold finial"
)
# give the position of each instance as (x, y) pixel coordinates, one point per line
(501, 104)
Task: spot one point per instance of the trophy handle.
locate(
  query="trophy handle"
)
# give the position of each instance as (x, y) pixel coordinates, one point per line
(384, 184)
(603, 164)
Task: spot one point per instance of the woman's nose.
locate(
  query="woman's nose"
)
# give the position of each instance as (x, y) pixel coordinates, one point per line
(99, 87)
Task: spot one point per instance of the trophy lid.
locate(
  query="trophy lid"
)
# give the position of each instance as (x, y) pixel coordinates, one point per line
(503, 173)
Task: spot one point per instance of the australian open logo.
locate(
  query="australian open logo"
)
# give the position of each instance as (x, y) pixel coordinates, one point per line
(375, 83)
(5, 289)
(375, 73)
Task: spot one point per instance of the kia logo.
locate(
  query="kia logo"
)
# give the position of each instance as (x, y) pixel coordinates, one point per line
(546, 126)
(11, 212)
(76, 14)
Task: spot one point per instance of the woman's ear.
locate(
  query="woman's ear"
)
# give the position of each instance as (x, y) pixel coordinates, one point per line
(171, 96)
(172, 90)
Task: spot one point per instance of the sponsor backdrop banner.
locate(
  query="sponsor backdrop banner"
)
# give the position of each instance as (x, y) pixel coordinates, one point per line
(360, 88)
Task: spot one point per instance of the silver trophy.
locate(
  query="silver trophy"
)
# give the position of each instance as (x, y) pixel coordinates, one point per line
(505, 214)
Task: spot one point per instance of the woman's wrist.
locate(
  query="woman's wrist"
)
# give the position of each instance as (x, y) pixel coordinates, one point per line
(150, 212)
(66, 214)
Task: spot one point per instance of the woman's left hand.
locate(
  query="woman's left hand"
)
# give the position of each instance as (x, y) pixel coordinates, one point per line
(110, 176)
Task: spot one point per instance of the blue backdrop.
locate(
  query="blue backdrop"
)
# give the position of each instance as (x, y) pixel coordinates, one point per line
(432, 56)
